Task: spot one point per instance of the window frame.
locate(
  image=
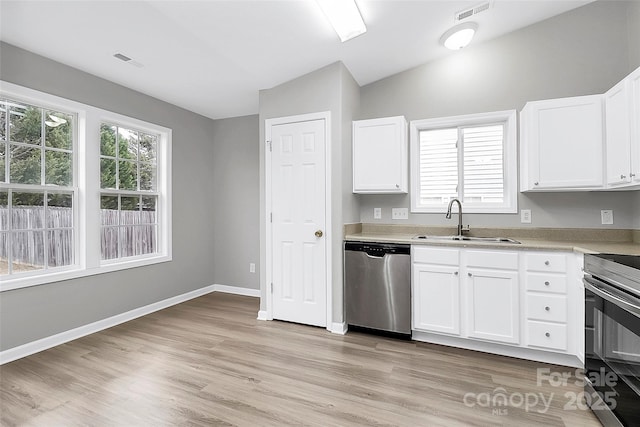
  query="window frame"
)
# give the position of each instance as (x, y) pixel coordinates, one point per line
(86, 190)
(510, 162)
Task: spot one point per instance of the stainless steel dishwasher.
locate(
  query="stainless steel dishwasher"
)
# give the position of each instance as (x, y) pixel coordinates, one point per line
(378, 286)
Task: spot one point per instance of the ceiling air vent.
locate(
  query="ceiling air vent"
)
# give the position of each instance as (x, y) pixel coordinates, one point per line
(128, 60)
(464, 14)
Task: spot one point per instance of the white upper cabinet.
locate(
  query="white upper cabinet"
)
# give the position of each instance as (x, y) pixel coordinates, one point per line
(618, 130)
(380, 159)
(634, 88)
(622, 109)
(562, 144)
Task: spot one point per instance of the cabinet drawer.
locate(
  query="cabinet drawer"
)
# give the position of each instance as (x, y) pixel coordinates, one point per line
(541, 282)
(431, 255)
(547, 335)
(551, 308)
(544, 262)
(492, 259)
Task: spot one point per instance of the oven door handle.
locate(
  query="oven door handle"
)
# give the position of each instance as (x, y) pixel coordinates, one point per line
(603, 293)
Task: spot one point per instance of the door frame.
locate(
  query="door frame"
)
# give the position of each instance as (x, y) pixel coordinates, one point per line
(328, 234)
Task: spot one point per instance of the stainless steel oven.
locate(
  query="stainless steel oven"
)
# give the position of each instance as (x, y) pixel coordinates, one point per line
(612, 338)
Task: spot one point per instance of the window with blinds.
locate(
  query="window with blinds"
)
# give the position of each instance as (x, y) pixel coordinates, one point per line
(471, 158)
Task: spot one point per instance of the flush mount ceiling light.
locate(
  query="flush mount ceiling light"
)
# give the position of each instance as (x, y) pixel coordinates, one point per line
(344, 16)
(459, 36)
(54, 121)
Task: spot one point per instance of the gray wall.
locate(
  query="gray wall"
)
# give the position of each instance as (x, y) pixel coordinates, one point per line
(235, 191)
(32, 313)
(584, 51)
(329, 89)
(634, 34)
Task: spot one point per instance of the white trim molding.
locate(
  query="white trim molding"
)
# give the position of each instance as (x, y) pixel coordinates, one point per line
(237, 290)
(86, 203)
(338, 328)
(510, 160)
(268, 270)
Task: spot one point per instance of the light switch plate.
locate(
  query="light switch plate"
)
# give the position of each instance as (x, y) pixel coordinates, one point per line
(606, 216)
(252, 267)
(525, 216)
(377, 213)
(399, 213)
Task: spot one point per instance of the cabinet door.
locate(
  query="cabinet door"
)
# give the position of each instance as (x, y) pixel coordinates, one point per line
(634, 85)
(562, 144)
(380, 160)
(436, 298)
(493, 305)
(617, 104)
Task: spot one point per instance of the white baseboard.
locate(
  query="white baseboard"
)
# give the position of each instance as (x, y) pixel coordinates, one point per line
(502, 349)
(262, 315)
(236, 290)
(338, 328)
(33, 347)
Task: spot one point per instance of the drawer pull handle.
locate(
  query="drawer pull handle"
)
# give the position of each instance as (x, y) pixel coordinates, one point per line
(547, 308)
(547, 334)
(546, 263)
(546, 283)
(455, 273)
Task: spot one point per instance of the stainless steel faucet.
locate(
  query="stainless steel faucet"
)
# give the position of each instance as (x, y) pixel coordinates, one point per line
(461, 229)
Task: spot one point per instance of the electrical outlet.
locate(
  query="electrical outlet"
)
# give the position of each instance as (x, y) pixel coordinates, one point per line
(252, 267)
(525, 216)
(377, 213)
(606, 216)
(399, 213)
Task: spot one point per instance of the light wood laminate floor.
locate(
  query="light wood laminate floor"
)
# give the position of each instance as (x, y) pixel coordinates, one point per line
(209, 362)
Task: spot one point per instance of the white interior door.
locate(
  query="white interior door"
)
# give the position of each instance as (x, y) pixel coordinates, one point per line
(299, 271)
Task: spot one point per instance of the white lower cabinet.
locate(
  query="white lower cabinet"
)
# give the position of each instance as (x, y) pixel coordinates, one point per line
(517, 303)
(547, 335)
(493, 305)
(436, 298)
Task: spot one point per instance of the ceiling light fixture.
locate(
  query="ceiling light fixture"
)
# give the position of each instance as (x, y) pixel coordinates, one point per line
(459, 36)
(54, 121)
(344, 16)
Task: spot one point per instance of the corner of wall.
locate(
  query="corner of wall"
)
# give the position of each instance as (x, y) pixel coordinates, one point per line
(633, 24)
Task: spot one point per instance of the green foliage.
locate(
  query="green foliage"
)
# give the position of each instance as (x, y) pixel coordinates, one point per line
(25, 145)
(24, 166)
(3, 151)
(136, 153)
(25, 124)
(27, 199)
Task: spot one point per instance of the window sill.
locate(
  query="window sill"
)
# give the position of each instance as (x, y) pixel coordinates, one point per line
(68, 274)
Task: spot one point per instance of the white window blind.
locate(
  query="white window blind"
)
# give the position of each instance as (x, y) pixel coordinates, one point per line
(471, 158)
(483, 177)
(438, 165)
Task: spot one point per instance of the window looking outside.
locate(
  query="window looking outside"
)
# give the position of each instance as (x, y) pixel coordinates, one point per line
(128, 199)
(83, 190)
(36, 188)
(471, 158)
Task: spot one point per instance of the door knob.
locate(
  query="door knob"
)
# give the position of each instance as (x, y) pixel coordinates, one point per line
(319, 233)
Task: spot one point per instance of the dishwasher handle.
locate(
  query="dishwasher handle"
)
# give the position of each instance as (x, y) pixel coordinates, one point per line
(377, 250)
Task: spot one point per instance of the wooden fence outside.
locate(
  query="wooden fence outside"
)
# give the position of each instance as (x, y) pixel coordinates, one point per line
(135, 230)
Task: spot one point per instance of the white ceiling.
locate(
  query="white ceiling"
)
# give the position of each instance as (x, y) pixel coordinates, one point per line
(213, 56)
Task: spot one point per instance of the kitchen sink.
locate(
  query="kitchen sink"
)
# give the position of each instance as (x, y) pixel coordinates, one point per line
(467, 239)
